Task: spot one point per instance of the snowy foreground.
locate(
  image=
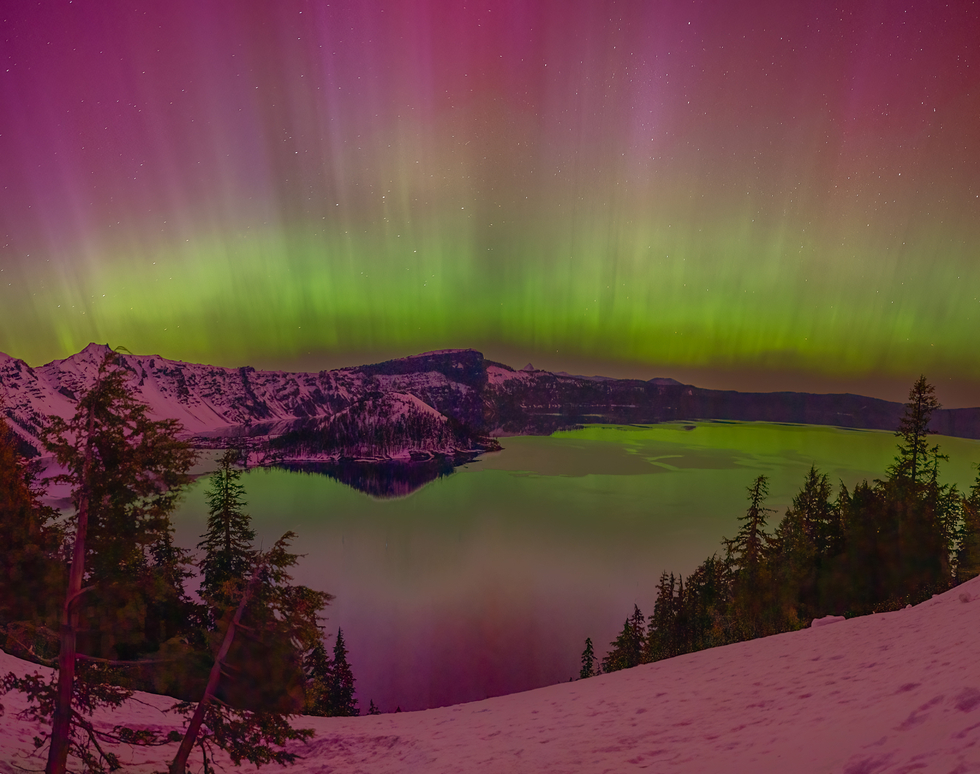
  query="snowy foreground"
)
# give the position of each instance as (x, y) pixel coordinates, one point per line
(897, 692)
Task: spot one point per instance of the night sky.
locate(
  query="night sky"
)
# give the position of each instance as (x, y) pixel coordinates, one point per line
(737, 193)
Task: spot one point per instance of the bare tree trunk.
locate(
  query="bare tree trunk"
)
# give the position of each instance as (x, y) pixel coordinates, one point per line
(61, 720)
(179, 764)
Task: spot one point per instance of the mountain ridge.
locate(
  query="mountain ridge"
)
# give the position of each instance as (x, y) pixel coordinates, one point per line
(480, 398)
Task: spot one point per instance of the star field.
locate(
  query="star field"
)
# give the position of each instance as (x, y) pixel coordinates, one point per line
(747, 186)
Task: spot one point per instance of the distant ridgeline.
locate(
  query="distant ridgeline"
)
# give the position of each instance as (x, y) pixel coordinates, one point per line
(449, 404)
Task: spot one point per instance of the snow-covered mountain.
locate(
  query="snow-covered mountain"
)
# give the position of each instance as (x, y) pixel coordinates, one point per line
(215, 402)
(883, 694)
(476, 398)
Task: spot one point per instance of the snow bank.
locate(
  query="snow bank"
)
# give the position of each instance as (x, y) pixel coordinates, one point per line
(827, 619)
(883, 693)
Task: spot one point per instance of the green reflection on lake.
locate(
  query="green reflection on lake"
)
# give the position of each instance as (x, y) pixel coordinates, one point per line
(488, 581)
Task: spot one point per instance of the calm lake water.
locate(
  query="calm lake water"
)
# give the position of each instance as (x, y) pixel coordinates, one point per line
(489, 580)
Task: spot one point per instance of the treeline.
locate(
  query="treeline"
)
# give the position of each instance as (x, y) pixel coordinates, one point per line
(101, 596)
(887, 544)
(381, 425)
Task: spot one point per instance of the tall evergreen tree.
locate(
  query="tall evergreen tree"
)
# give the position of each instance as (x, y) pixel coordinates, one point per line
(707, 603)
(968, 555)
(801, 549)
(31, 570)
(342, 701)
(745, 555)
(588, 661)
(664, 638)
(918, 514)
(254, 735)
(627, 648)
(227, 544)
(913, 429)
(126, 472)
(319, 677)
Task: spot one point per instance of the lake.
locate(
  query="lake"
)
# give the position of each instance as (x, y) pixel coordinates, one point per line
(487, 581)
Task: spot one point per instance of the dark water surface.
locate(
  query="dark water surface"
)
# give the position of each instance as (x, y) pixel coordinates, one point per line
(487, 581)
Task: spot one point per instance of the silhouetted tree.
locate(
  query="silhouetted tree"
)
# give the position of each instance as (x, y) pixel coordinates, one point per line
(708, 603)
(319, 677)
(627, 649)
(745, 556)
(801, 549)
(588, 660)
(665, 637)
(126, 472)
(31, 570)
(968, 556)
(228, 541)
(342, 701)
(254, 735)
(913, 429)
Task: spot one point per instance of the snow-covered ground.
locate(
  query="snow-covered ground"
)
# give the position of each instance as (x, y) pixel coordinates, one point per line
(897, 692)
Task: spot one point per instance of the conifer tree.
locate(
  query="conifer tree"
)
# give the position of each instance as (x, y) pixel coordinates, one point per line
(801, 548)
(228, 541)
(342, 701)
(707, 603)
(627, 649)
(319, 678)
(968, 555)
(588, 660)
(373, 708)
(662, 637)
(31, 571)
(917, 515)
(913, 430)
(254, 735)
(745, 555)
(126, 472)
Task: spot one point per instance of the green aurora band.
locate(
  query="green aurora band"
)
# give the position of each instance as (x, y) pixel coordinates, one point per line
(682, 190)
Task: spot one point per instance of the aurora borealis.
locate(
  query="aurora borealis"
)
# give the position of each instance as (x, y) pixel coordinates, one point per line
(668, 186)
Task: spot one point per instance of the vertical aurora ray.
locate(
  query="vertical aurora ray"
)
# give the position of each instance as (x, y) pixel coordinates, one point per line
(757, 186)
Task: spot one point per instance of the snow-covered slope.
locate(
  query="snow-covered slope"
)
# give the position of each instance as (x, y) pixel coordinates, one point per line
(890, 693)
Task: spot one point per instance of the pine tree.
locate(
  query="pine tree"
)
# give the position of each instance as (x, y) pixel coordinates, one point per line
(745, 555)
(280, 625)
(126, 472)
(662, 637)
(227, 542)
(31, 571)
(373, 708)
(330, 681)
(319, 677)
(627, 649)
(588, 660)
(918, 515)
(801, 547)
(968, 556)
(342, 701)
(257, 736)
(913, 429)
(707, 603)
